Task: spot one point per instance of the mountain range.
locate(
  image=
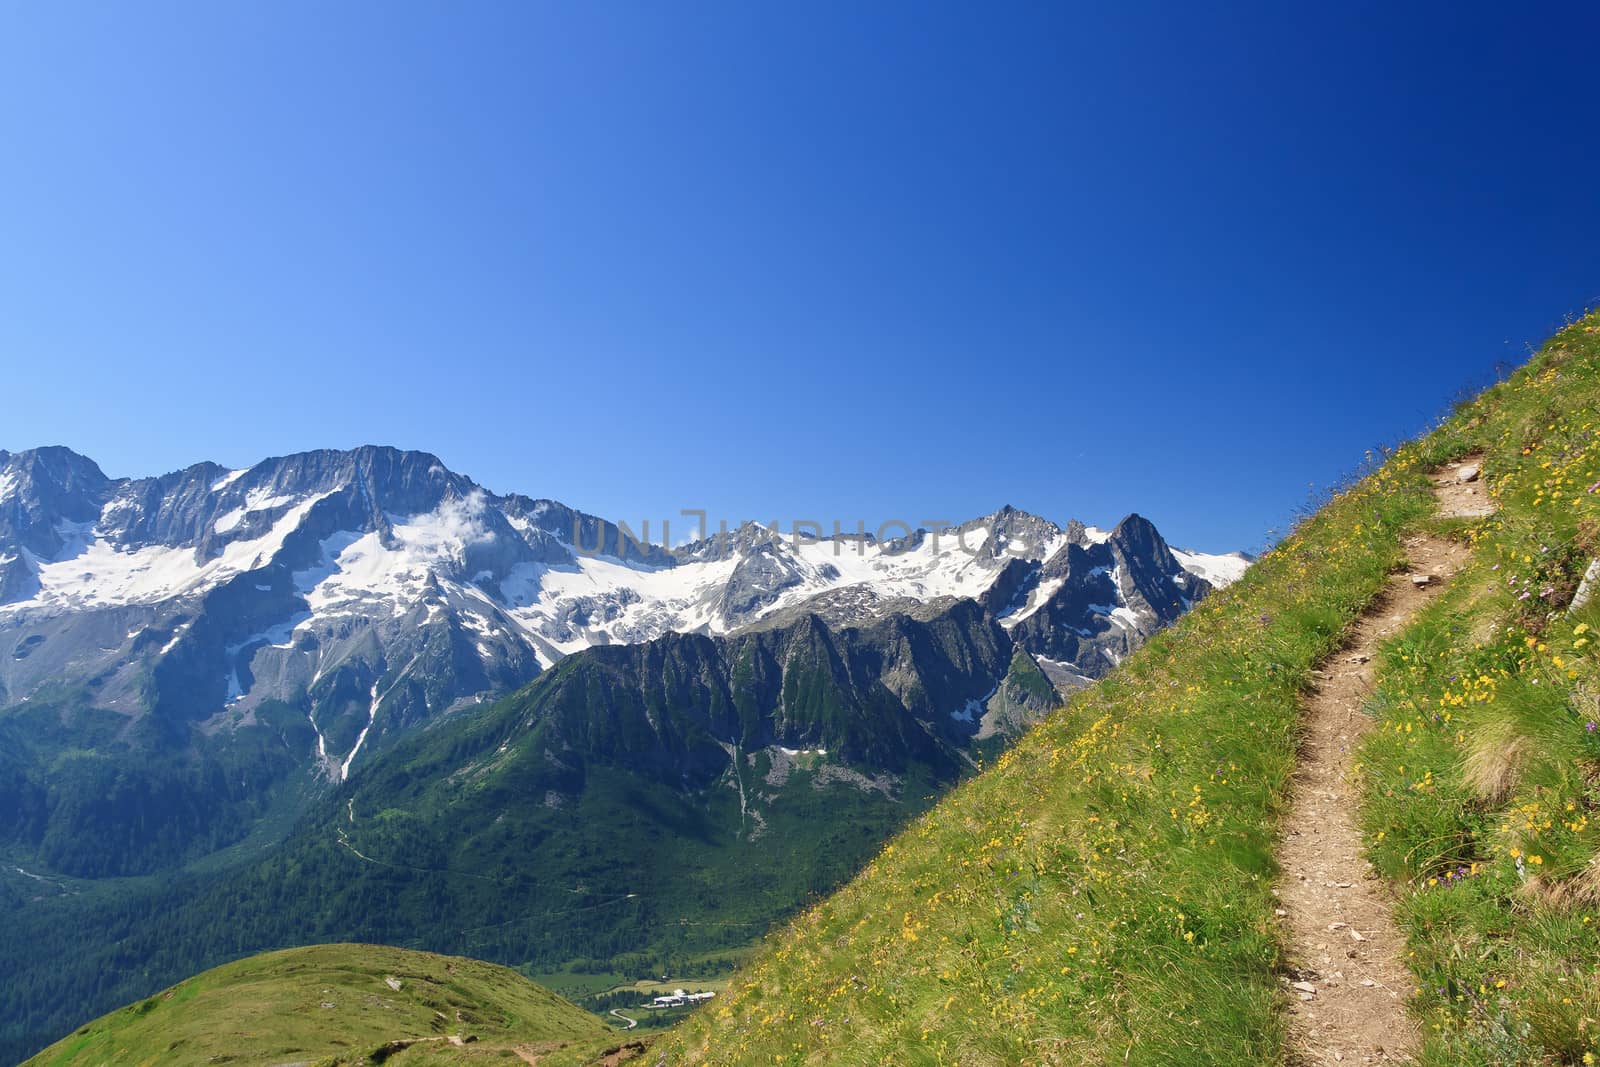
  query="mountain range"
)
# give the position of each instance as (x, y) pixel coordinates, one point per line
(364, 592)
(433, 715)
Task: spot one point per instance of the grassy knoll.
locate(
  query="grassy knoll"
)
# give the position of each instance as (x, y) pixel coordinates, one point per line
(1102, 894)
(333, 1004)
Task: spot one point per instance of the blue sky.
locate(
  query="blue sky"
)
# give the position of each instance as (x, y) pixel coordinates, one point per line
(804, 260)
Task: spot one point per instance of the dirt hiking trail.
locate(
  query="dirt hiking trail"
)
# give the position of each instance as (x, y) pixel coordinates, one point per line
(1347, 979)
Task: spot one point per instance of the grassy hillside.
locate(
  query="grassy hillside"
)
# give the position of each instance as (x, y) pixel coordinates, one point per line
(333, 1004)
(1103, 894)
(1483, 783)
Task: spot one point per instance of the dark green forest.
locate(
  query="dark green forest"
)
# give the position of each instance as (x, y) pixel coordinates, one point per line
(630, 877)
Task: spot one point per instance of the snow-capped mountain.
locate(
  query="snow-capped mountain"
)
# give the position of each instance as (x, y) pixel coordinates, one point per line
(372, 589)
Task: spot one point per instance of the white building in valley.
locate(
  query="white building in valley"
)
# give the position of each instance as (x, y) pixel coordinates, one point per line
(678, 999)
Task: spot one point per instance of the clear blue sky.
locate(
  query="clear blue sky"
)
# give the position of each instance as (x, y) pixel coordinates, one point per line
(825, 260)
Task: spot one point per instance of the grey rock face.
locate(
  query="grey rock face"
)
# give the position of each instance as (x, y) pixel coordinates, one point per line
(763, 573)
(43, 493)
(1016, 534)
(1586, 588)
(1097, 602)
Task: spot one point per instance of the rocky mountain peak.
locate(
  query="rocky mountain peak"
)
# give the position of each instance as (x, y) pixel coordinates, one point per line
(44, 494)
(42, 487)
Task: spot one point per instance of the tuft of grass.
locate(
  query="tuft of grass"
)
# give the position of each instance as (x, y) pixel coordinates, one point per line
(1494, 758)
